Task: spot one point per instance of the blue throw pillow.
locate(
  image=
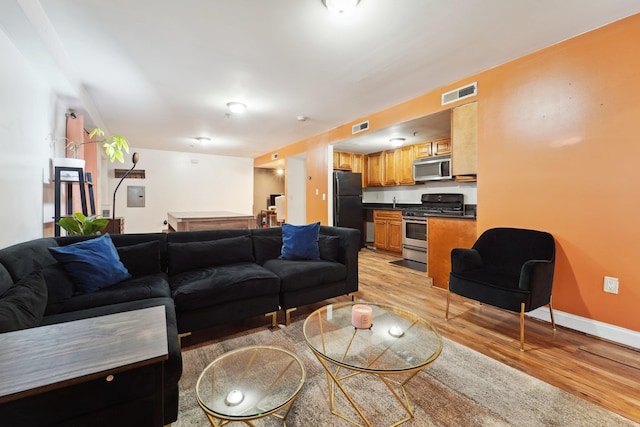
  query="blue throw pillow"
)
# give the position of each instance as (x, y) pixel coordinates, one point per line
(300, 241)
(92, 264)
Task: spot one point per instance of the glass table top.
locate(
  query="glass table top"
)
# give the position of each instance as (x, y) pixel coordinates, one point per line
(398, 340)
(250, 382)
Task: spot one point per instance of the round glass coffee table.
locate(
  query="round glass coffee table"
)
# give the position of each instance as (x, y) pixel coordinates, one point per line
(250, 383)
(397, 346)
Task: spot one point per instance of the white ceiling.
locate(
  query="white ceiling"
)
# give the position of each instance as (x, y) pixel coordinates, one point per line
(161, 72)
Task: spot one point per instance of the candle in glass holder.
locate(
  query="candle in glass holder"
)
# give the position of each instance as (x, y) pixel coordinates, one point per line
(361, 316)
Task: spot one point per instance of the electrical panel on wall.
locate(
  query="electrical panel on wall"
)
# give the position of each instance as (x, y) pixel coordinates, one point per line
(135, 196)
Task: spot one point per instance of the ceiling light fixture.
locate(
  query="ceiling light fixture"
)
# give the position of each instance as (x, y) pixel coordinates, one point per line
(340, 7)
(397, 142)
(202, 139)
(236, 107)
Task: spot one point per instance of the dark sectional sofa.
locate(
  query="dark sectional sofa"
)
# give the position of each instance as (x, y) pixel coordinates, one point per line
(203, 279)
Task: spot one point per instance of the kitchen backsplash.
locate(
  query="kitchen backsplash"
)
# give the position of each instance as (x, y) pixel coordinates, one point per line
(412, 194)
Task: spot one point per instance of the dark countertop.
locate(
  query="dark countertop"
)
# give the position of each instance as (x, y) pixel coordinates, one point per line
(470, 209)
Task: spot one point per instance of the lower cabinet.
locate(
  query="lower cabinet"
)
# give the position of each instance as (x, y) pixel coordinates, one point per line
(387, 230)
(443, 235)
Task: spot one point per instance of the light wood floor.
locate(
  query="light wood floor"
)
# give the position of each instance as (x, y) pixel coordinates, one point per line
(595, 370)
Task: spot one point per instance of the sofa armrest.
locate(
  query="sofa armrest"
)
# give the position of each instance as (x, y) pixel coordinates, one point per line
(465, 259)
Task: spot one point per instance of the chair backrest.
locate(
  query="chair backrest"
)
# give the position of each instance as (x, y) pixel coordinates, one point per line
(509, 248)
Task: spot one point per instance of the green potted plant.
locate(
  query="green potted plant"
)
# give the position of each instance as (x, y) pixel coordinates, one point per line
(113, 146)
(80, 225)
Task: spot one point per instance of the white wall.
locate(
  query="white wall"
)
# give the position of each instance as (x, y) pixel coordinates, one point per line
(180, 182)
(296, 190)
(31, 119)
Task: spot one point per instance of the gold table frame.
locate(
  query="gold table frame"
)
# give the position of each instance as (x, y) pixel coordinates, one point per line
(218, 419)
(334, 368)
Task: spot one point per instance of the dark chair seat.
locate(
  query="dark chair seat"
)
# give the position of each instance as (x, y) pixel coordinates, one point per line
(510, 268)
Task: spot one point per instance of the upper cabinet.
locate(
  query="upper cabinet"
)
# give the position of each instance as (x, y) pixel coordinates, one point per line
(464, 138)
(390, 169)
(404, 162)
(375, 164)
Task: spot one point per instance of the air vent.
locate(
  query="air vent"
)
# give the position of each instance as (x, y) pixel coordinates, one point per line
(460, 93)
(360, 127)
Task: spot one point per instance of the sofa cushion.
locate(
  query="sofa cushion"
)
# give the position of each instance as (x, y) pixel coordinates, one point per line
(92, 264)
(297, 275)
(23, 258)
(23, 305)
(6, 282)
(141, 259)
(138, 288)
(270, 247)
(60, 287)
(266, 248)
(329, 247)
(215, 285)
(300, 242)
(195, 255)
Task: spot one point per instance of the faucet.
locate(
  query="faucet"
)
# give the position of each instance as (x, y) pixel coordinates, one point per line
(394, 202)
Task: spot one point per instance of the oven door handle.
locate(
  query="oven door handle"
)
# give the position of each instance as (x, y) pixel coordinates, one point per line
(415, 248)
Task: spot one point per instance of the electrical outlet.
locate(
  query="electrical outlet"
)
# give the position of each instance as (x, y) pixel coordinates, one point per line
(611, 284)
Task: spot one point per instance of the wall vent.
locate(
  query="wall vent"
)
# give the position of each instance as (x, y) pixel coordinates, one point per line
(359, 127)
(460, 93)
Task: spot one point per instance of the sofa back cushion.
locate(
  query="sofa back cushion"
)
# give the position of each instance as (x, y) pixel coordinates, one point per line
(60, 287)
(210, 253)
(23, 258)
(23, 305)
(270, 247)
(5, 280)
(141, 259)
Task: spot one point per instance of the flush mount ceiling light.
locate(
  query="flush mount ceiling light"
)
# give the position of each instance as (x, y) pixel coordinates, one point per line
(202, 139)
(236, 107)
(397, 142)
(340, 7)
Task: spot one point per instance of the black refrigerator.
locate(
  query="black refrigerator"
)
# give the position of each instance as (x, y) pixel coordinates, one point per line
(347, 201)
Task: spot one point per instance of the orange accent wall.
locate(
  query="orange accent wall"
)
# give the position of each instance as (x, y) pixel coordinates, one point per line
(559, 142)
(558, 145)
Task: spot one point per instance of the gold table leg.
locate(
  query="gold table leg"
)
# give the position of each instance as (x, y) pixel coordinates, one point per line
(333, 380)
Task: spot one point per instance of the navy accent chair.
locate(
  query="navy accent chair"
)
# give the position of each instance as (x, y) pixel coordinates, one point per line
(509, 268)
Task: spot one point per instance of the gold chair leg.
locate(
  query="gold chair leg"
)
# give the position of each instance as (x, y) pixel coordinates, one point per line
(446, 312)
(553, 322)
(287, 315)
(274, 318)
(522, 327)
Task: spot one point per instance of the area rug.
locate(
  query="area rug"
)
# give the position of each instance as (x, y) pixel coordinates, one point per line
(462, 388)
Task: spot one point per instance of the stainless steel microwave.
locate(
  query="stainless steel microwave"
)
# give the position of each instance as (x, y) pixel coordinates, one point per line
(432, 168)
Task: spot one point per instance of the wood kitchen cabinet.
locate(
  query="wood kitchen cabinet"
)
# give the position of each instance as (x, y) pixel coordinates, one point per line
(375, 169)
(390, 170)
(444, 234)
(343, 161)
(422, 150)
(464, 135)
(387, 230)
(404, 163)
(441, 146)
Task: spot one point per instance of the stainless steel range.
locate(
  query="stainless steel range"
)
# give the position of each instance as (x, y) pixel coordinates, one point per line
(414, 222)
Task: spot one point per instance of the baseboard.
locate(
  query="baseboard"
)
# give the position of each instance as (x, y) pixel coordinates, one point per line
(588, 326)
